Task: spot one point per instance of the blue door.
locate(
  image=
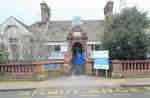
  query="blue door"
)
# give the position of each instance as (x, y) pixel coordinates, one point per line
(78, 58)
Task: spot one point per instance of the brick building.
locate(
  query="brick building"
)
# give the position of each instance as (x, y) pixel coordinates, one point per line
(48, 39)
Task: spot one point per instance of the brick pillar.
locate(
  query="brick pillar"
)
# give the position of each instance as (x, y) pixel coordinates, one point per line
(117, 71)
(23, 69)
(88, 66)
(5, 70)
(66, 67)
(1, 68)
(12, 68)
(19, 68)
(37, 68)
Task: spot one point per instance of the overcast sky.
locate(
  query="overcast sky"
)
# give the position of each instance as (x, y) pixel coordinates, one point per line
(28, 11)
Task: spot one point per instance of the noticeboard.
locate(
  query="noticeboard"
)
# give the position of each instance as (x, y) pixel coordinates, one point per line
(101, 59)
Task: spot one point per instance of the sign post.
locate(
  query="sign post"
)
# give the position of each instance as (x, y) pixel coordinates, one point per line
(96, 72)
(101, 60)
(106, 73)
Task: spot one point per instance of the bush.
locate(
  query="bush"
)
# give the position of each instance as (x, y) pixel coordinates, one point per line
(3, 57)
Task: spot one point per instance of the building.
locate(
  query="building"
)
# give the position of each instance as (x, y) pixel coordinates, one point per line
(47, 39)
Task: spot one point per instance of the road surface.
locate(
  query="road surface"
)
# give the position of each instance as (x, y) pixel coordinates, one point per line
(77, 87)
(132, 92)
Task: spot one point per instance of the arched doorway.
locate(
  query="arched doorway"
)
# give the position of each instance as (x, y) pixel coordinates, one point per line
(77, 58)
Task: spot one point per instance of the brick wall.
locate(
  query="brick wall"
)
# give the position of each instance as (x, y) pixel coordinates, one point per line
(25, 71)
(128, 69)
(16, 71)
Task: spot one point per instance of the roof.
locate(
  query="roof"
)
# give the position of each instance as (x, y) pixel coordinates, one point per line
(58, 30)
(24, 25)
(15, 19)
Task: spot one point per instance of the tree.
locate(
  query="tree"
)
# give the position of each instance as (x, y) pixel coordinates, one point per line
(125, 36)
(3, 55)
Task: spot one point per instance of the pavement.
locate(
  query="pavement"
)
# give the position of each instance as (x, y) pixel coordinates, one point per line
(74, 82)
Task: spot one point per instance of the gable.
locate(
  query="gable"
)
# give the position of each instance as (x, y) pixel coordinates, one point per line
(14, 25)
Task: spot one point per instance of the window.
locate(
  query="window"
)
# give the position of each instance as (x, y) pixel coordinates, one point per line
(93, 48)
(57, 48)
(15, 51)
(11, 31)
(13, 40)
(97, 47)
(77, 34)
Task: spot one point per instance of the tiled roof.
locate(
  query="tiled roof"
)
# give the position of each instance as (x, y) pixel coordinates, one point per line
(58, 30)
(24, 25)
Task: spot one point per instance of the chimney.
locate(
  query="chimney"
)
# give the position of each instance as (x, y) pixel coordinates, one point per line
(108, 10)
(45, 12)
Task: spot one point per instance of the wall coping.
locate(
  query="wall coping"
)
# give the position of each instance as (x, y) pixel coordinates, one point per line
(116, 61)
(129, 61)
(48, 62)
(34, 63)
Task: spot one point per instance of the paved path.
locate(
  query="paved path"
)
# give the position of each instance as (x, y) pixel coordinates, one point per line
(70, 81)
(74, 81)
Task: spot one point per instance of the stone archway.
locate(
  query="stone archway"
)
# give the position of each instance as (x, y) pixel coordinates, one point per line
(77, 49)
(77, 58)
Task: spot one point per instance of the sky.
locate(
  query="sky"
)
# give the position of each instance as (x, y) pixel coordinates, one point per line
(28, 11)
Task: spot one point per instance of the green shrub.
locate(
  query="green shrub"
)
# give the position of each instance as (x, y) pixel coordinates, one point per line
(3, 57)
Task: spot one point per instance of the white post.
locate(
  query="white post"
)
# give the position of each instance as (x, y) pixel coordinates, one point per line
(96, 72)
(106, 73)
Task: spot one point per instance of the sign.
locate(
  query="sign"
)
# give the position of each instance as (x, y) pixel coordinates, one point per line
(50, 66)
(64, 48)
(101, 59)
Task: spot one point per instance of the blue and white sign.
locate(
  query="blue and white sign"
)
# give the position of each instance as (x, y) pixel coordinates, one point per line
(50, 66)
(101, 59)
